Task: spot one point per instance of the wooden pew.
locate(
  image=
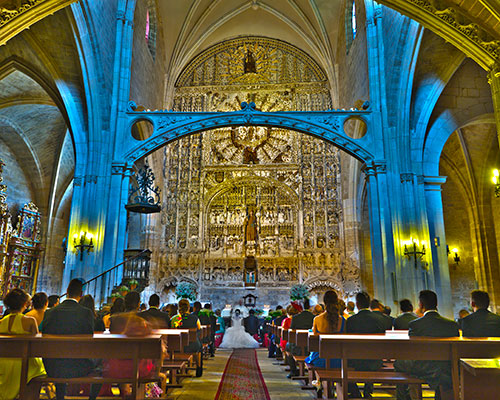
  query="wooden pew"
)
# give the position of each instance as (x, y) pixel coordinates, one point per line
(175, 340)
(84, 346)
(381, 346)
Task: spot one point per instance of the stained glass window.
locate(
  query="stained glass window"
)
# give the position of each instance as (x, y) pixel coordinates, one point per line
(353, 20)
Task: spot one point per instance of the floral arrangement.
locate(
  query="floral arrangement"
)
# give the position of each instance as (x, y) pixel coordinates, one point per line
(206, 312)
(186, 290)
(116, 294)
(133, 284)
(299, 292)
(258, 311)
(274, 314)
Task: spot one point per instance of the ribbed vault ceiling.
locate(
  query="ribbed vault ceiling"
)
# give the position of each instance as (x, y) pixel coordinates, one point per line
(194, 25)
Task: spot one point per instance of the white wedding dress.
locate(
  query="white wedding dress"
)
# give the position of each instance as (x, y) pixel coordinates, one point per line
(236, 337)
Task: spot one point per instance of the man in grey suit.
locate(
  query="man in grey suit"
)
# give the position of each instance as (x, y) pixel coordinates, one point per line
(402, 322)
(481, 323)
(436, 373)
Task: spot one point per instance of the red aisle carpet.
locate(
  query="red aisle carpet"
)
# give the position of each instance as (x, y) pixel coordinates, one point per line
(242, 379)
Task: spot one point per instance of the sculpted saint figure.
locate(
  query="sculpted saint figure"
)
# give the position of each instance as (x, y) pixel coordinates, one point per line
(251, 227)
(249, 65)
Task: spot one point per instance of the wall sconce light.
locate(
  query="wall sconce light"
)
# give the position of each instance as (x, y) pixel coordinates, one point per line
(412, 249)
(496, 182)
(456, 257)
(82, 243)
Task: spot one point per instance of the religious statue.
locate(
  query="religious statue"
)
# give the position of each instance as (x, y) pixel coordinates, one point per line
(249, 64)
(250, 156)
(251, 227)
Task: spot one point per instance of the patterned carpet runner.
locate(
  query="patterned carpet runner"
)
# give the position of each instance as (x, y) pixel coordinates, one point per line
(242, 379)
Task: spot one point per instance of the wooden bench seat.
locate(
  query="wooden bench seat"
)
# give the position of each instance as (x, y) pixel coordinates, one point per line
(85, 346)
(334, 375)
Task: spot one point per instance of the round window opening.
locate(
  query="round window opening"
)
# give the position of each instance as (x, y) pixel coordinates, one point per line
(142, 129)
(355, 127)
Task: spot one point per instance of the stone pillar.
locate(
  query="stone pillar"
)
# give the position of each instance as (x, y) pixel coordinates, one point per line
(494, 81)
(434, 203)
(115, 239)
(380, 231)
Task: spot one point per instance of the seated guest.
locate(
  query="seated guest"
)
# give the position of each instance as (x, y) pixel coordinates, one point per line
(350, 308)
(158, 319)
(172, 310)
(207, 317)
(274, 349)
(365, 321)
(131, 324)
(16, 323)
(330, 321)
(88, 302)
(219, 334)
(117, 308)
(143, 307)
(186, 320)
(481, 323)
(317, 310)
(53, 300)
(69, 318)
(436, 373)
(291, 310)
(40, 303)
(303, 320)
(378, 311)
(403, 320)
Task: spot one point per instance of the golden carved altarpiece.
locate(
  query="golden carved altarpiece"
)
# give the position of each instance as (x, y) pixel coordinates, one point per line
(288, 180)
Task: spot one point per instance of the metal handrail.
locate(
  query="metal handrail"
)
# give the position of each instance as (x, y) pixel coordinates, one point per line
(111, 269)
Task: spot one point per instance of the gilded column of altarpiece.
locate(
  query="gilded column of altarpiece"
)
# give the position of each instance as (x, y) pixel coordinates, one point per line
(269, 193)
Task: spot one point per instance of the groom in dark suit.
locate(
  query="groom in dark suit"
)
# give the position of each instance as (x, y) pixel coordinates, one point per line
(436, 373)
(365, 321)
(69, 318)
(481, 323)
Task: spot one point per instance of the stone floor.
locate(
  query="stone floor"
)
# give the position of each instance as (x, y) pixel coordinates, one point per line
(205, 388)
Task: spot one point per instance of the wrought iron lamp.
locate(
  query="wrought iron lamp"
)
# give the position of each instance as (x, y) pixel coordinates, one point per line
(82, 243)
(456, 257)
(144, 197)
(496, 182)
(412, 249)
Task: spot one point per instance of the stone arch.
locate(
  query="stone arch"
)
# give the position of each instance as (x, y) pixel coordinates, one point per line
(455, 25)
(328, 126)
(322, 285)
(14, 21)
(219, 189)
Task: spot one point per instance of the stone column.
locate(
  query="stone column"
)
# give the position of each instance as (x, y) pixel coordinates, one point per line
(434, 203)
(115, 239)
(494, 81)
(380, 231)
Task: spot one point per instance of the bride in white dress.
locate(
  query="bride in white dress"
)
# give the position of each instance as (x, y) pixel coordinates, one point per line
(236, 337)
